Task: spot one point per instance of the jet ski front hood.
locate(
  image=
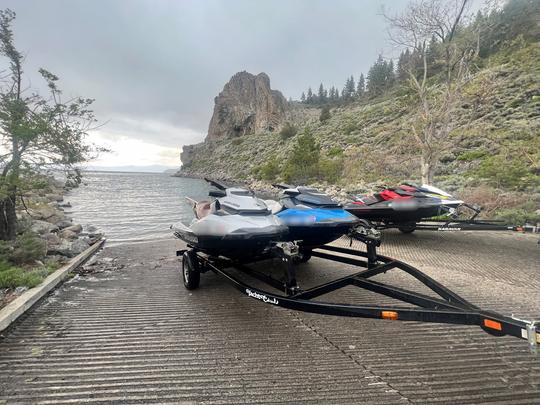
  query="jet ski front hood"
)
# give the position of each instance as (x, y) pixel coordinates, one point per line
(238, 226)
(317, 217)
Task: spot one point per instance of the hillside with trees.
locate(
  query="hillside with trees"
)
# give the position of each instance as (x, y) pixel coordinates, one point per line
(460, 108)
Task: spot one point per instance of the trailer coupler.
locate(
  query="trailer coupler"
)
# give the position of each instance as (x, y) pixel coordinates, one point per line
(531, 333)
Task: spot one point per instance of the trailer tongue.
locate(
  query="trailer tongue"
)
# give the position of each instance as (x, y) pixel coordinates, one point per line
(448, 307)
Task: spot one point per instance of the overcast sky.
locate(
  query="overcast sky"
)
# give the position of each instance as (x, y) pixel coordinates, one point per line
(154, 67)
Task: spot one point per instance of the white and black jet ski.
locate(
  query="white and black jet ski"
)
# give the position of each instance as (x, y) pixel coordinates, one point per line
(236, 224)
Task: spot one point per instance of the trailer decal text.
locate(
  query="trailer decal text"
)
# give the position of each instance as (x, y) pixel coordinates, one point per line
(261, 297)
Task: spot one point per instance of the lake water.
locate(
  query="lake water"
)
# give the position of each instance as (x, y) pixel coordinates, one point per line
(130, 207)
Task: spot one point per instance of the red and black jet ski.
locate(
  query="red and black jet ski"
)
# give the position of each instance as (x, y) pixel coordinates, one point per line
(403, 206)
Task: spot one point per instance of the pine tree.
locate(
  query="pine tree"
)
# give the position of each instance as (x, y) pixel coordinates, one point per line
(348, 89)
(376, 76)
(361, 87)
(325, 114)
(321, 95)
(309, 98)
(403, 66)
(390, 75)
(303, 97)
(333, 94)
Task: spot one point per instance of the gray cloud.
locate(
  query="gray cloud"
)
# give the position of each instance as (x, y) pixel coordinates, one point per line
(165, 61)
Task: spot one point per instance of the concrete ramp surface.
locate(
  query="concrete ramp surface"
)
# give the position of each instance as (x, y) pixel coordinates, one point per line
(132, 334)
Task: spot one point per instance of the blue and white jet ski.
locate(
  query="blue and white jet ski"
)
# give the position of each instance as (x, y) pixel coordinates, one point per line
(314, 219)
(235, 225)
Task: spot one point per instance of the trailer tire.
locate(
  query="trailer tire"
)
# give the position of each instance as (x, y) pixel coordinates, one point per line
(191, 274)
(408, 227)
(304, 256)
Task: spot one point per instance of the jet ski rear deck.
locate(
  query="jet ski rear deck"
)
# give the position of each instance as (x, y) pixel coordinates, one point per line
(448, 307)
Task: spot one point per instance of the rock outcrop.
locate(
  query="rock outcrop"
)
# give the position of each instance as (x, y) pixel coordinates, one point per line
(246, 105)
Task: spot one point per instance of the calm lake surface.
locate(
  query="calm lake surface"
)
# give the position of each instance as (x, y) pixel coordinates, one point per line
(129, 207)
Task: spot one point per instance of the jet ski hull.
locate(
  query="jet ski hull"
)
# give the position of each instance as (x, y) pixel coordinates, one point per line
(391, 213)
(247, 242)
(314, 227)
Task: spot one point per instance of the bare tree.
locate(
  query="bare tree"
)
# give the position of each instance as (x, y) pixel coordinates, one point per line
(429, 27)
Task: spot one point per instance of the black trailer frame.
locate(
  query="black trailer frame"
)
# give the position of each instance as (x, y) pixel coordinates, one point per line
(472, 225)
(448, 308)
(453, 225)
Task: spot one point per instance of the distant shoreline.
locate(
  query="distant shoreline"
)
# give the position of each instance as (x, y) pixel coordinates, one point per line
(124, 172)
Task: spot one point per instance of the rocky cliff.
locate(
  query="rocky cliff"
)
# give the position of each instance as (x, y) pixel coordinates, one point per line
(247, 105)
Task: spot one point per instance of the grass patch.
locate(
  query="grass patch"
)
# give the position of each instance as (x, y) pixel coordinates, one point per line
(14, 276)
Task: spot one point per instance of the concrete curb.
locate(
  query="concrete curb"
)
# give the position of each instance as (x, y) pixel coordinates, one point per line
(20, 305)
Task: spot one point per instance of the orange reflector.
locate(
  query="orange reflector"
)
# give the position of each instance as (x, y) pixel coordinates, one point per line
(488, 323)
(392, 315)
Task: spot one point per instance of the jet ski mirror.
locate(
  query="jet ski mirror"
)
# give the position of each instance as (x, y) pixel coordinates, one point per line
(217, 193)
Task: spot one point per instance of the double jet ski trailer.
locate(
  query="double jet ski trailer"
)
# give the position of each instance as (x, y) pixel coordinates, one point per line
(448, 307)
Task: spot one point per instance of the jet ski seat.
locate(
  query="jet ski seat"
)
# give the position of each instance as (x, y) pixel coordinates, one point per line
(371, 199)
(273, 206)
(202, 209)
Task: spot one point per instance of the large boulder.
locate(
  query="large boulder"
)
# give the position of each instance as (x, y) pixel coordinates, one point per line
(67, 248)
(77, 228)
(67, 234)
(247, 105)
(42, 227)
(47, 213)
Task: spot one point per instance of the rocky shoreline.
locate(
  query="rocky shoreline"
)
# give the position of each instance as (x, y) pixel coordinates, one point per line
(44, 213)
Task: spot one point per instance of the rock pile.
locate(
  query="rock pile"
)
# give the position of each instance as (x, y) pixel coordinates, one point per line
(46, 217)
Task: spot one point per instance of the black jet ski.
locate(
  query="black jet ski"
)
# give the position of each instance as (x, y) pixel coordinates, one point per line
(403, 206)
(314, 219)
(236, 224)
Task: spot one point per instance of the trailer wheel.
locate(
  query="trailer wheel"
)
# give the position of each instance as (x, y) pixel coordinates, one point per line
(408, 227)
(191, 274)
(304, 256)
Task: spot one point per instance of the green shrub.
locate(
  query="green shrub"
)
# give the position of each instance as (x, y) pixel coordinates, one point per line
(349, 127)
(500, 171)
(331, 169)
(269, 170)
(515, 103)
(288, 131)
(518, 216)
(28, 248)
(13, 276)
(325, 114)
(471, 155)
(237, 141)
(302, 166)
(335, 151)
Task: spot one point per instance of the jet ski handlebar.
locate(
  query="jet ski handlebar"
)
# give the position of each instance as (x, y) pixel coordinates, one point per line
(219, 185)
(282, 186)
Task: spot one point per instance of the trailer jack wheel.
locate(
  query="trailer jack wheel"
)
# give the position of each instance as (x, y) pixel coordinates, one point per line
(303, 257)
(409, 227)
(191, 274)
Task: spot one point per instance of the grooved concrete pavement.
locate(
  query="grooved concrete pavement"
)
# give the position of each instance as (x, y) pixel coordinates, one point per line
(137, 336)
